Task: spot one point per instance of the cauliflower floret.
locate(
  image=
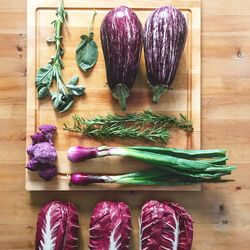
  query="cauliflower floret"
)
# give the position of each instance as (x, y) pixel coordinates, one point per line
(44, 152)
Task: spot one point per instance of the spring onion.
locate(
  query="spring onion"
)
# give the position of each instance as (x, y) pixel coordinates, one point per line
(210, 167)
(145, 177)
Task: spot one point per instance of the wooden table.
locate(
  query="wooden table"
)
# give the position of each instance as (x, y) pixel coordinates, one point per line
(221, 211)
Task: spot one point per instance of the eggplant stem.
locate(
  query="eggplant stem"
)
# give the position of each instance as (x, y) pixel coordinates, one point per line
(158, 90)
(121, 92)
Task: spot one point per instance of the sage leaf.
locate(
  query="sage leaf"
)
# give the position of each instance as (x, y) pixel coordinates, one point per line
(66, 108)
(57, 100)
(76, 90)
(74, 80)
(43, 92)
(86, 53)
(44, 75)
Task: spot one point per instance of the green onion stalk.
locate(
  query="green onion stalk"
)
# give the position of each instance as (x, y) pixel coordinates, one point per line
(196, 165)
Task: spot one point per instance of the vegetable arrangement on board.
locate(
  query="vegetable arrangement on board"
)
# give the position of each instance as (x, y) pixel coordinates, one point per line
(145, 125)
(110, 226)
(164, 40)
(121, 37)
(57, 227)
(87, 50)
(63, 99)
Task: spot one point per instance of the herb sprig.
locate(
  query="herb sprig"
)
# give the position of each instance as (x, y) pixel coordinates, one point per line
(63, 99)
(145, 125)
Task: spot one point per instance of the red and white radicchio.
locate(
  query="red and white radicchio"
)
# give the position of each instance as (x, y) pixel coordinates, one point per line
(165, 225)
(110, 226)
(57, 227)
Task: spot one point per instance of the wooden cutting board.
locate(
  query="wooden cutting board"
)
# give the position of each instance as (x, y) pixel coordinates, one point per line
(184, 97)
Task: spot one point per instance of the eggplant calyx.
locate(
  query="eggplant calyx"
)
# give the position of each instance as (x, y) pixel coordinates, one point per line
(121, 92)
(158, 90)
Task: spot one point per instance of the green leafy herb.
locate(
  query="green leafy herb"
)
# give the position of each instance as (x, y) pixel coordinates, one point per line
(63, 99)
(145, 125)
(87, 51)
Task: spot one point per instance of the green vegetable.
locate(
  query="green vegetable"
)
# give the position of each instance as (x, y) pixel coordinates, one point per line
(183, 153)
(63, 99)
(145, 125)
(210, 168)
(152, 176)
(87, 51)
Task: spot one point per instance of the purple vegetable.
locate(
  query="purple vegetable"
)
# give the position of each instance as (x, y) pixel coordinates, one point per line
(30, 151)
(48, 131)
(38, 137)
(165, 225)
(121, 36)
(47, 171)
(78, 153)
(85, 179)
(164, 40)
(57, 227)
(33, 165)
(44, 152)
(110, 226)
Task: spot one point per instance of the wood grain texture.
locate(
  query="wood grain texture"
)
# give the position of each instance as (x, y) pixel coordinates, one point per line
(220, 211)
(184, 98)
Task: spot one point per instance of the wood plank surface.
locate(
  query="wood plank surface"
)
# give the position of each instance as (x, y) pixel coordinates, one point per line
(220, 211)
(183, 98)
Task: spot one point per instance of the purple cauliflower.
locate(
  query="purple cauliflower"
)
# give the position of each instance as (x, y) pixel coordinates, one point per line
(33, 165)
(47, 171)
(48, 131)
(30, 151)
(38, 137)
(44, 152)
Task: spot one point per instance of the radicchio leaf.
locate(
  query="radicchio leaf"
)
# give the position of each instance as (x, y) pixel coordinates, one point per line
(57, 227)
(72, 226)
(186, 226)
(165, 226)
(110, 226)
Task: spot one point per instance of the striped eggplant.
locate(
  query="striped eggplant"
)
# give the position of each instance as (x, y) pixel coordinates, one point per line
(164, 40)
(121, 37)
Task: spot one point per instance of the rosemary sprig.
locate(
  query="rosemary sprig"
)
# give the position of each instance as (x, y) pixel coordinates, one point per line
(145, 125)
(121, 131)
(63, 99)
(141, 119)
